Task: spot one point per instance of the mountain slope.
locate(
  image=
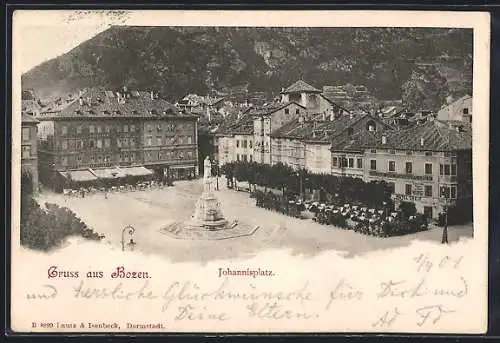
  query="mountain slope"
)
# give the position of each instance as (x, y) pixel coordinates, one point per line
(178, 60)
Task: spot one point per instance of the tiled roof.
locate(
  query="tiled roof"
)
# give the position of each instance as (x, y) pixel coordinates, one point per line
(436, 136)
(27, 119)
(318, 130)
(270, 108)
(105, 103)
(301, 86)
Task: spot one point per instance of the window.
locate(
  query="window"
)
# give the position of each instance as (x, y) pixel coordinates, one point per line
(189, 140)
(237, 157)
(125, 142)
(409, 152)
(454, 169)
(447, 170)
(91, 128)
(428, 169)
(359, 163)
(125, 128)
(448, 192)
(79, 144)
(26, 134)
(428, 153)
(237, 143)
(107, 142)
(119, 142)
(392, 166)
(344, 162)
(408, 189)
(409, 168)
(335, 161)
(99, 144)
(132, 128)
(149, 141)
(158, 127)
(158, 140)
(392, 152)
(250, 158)
(373, 164)
(297, 111)
(108, 129)
(79, 129)
(91, 143)
(287, 111)
(99, 158)
(428, 191)
(64, 161)
(92, 158)
(64, 130)
(64, 145)
(250, 144)
(465, 111)
(351, 162)
(132, 142)
(149, 128)
(244, 158)
(26, 152)
(373, 151)
(99, 129)
(245, 143)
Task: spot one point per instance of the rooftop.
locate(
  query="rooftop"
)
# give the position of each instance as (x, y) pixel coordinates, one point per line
(301, 86)
(28, 119)
(100, 102)
(435, 136)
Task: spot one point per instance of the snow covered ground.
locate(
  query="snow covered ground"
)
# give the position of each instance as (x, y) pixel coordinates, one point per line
(148, 211)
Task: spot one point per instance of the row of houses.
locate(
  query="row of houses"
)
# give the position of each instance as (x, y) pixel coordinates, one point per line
(427, 162)
(105, 129)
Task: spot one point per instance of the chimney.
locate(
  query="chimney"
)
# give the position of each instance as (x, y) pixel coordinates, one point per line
(421, 141)
(384, 140)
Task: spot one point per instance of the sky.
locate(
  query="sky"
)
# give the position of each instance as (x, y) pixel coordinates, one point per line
(39, 37)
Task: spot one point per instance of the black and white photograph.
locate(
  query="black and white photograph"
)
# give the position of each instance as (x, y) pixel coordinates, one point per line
(249, 171)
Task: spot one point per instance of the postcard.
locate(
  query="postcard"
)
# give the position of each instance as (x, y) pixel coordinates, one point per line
(249, 171)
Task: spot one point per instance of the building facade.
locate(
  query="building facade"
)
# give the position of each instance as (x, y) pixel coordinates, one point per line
(29, 150)
(458, 110)
(429, 164)
(104, 129)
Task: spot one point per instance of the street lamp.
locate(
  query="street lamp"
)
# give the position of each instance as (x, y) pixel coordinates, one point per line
(131, 231)
(299, 175)
(444, 192)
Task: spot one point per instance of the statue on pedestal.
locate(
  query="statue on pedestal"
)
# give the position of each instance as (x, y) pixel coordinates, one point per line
(207, 174)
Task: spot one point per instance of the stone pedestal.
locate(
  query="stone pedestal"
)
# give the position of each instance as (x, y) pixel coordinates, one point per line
(208, 213)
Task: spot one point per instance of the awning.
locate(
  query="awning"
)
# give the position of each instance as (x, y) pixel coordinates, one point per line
(136, 171)
(182, 167)
(108, 173)
(78, 175)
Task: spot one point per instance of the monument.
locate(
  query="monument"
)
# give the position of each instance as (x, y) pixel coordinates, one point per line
(207, 222)
(207, 212)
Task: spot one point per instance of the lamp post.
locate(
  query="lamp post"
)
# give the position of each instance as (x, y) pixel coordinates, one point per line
(131, 231)
(444, 238)
(299, 175)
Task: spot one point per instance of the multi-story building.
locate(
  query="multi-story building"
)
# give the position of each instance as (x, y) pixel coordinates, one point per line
(29, 151)
(266, 120)
(103, 129)
(458, 110)
(428, 164)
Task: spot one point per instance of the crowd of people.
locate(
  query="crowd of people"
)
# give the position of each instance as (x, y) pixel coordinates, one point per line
(90, 190)
(381, 221)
